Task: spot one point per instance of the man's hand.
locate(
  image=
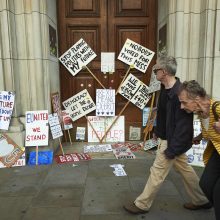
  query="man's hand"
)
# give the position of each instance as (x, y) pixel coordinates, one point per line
(197, 139)
(168, 155)
(216, 126)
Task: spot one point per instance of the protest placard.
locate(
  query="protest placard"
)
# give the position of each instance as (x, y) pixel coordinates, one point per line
(135, 91)
(195, 153)
(36, 128)
(154, 84)
(97, 148)
(10, 152)
(20, 162)
(55, 127)
(101, 125)
(136, 55)
(79, 105)
(123, 153)
(79, 55)
(105, 102)
(80, 133)
(70, 158)
(107, 62)
(134, 133)
(6, 108)
(56, 106)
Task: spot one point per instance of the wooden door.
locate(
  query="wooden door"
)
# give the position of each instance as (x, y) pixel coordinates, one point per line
(105, 25)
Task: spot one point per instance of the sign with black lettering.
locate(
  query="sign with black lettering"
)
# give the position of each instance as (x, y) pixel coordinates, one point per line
(36, 128)
(136, 55)
(79, 105)
(105, 102)
(135, 91)
(55, 127)
(6, 108)
(79, 55)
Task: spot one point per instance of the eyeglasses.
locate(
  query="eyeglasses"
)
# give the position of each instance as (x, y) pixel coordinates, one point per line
(156, 70)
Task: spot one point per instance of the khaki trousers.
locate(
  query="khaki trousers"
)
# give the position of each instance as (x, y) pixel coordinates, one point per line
(160, 170)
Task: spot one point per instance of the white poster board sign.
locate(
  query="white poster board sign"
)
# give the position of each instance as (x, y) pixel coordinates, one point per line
(134, 133)
(134, 54)
(107, 62)
(195, 153)
(79, 55)
(101, 124)
(154, 84)
(6, 108)
(55, 127)
(80, 133)
(36, 128)
(79, 105)
(105, 102)
(135, 91)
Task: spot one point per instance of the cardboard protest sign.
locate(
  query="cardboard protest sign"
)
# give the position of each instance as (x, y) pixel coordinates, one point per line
(134, 54)
(123, 153)
(135, 91)
(154, 84)
(79, 55)
(107, 62)
(195, 153)
(79, 105)
(56, 106)
(10, 152)
(134, 133)
(101, 124)
(70, 158)
(6, 108)
(67, 121)
(20, 162)
(105, 102)
(55, 125)
(97, 148)
(36, 128)
(80, 133)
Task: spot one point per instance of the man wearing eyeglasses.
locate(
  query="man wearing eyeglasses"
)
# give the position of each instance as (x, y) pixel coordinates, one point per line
(175, 133)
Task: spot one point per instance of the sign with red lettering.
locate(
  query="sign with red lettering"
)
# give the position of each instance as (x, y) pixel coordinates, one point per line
(79, 55)
(101, 125)
(135, 91)
(6, 108)
(10, 152)
(36, 128)
(136, 55)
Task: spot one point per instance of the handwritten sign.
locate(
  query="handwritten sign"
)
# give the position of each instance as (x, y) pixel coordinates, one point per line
(154, 84)
(36, 128)
(79, 105)
(55, 125)
(79, 55)
(67, 121)
(195, 153)
(80, 133)
(97, 148)
(105, 102)
(135, 91)
(21, 161)
(6, 108)
(10, 152)
(134, 133)
(55, 100)
(108, 62)
(101, 124)
(134, 54)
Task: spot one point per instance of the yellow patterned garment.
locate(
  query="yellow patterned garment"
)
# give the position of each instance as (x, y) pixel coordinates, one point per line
(211, 135)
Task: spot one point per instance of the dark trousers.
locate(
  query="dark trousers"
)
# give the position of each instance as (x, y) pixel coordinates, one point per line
(210, 182)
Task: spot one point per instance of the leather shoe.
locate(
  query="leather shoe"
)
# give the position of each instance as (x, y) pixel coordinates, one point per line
(133, 209)
(191, 206)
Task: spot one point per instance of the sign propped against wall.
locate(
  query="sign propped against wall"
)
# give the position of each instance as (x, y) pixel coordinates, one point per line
(101, 124)
(154, 84)
(36, 128)
(55, 127)
(136, 55)
(107, 62)
(10, 152)
(56, 106)
(79, 105)
(6, 108)
(135, 91)
(105, 102)
(79, 55)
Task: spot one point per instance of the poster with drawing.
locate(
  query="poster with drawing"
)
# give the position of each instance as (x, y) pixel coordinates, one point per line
(36, 128)
(56, 106)
(6, 108)
(134, 133)
(135, 54)
(79, 55)
(195, 153)
(80, 133)
(101, 124)
(105, 102)
(55, 127)
(67, 121)
(154, 84)
(10, 152)
(135, 91)
(79, 105)
(107, 62)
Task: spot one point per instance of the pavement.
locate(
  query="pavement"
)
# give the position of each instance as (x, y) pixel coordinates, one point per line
(89, 190)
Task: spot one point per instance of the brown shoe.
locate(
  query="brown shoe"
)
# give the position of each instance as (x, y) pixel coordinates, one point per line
(133, 209)
(191, 206)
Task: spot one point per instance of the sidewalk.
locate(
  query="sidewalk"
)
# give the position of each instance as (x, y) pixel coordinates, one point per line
(90, 191)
